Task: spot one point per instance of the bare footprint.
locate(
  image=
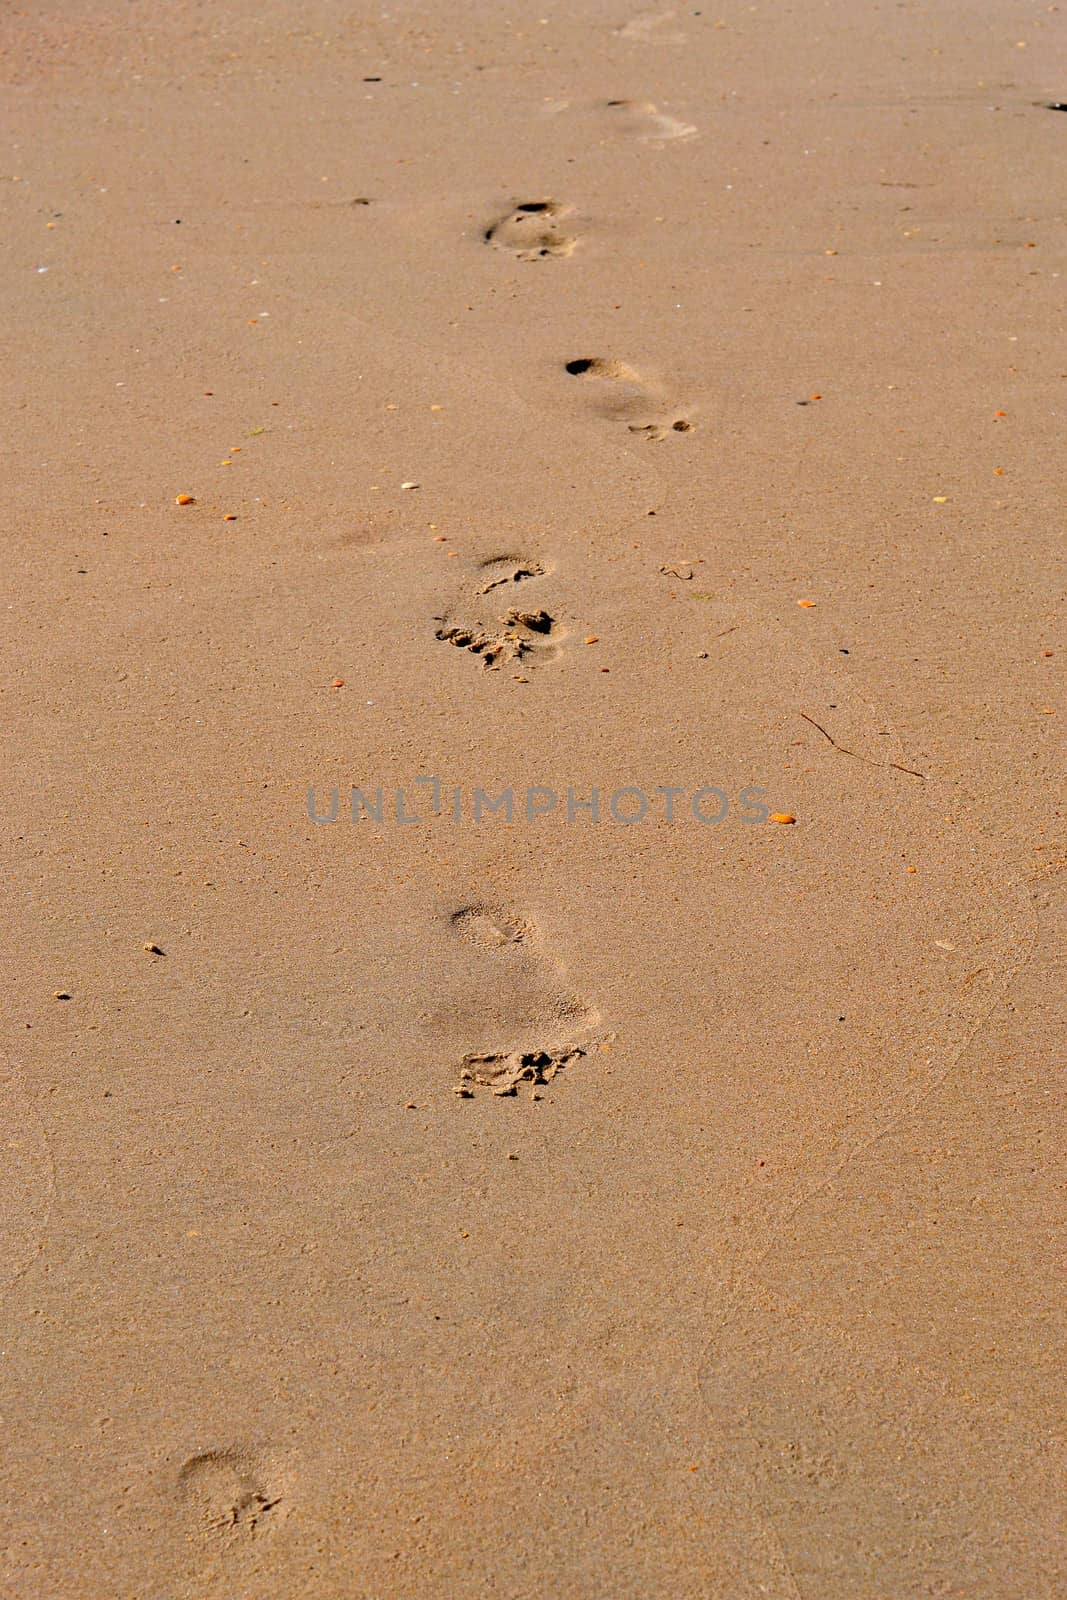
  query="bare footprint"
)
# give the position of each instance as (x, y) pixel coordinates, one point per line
(503, 1073)
(553, 1020)
(647, 122)
(532, 231)
(490, 929)
(642, 27)
(235, 1493)
(496, 623)
(626, 396)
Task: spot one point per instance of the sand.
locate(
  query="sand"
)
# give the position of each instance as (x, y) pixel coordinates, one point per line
(549, 1206)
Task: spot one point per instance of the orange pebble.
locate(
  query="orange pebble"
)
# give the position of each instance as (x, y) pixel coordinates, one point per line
(807, 604)
(184, 500)
(592, 638)
(338, 683)
(230, 517)
(782, 816)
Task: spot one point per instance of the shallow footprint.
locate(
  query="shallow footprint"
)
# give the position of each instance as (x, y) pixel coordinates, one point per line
(647, 122)
(644, 26)
(490, 929)
(553, 1020)
(497, 624)
(624, 395)
(532, 231)
(236, 1492)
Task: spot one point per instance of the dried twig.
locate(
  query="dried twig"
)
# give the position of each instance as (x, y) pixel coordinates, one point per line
(856, 756)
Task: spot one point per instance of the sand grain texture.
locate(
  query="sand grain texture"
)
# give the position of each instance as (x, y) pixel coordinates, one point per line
(573, 398)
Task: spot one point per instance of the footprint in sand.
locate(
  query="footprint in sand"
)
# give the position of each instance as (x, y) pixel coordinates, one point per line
(236, 1493)
(499, 618)
(638, 119)
(645, 121)
(641, 28)
(552, 1023)
(532, 230)
(626, 396)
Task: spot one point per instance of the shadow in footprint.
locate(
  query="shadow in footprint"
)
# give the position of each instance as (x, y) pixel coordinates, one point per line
(552, 1021)
(484, 623)
(624, 395)
(532, 231)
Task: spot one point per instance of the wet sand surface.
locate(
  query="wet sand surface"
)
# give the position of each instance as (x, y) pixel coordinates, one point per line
(558, 400)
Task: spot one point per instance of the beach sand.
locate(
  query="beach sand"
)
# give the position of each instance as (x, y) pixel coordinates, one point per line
(557, 399)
